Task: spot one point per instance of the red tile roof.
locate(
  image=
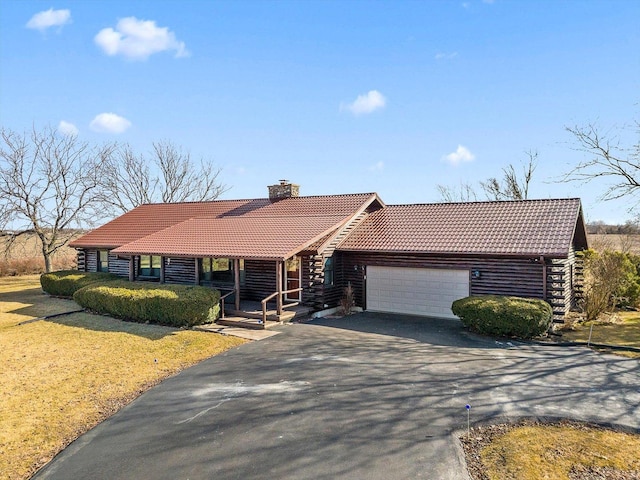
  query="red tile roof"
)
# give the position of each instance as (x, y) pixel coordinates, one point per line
(528, 227)
(256, 228)
(249, 236)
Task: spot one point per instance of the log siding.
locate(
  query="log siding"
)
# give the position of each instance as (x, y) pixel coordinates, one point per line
(498, 276)
(119, 265)
(81, 265)
(260, 279)
(91, 260)
(181, 270)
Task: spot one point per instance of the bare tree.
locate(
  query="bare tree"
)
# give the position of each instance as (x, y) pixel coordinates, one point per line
(513, 185)
(169, 176)
(49, 184)
(464, 193)
(127, 181)
(608, 160)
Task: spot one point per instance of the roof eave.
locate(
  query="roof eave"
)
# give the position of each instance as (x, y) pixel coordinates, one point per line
(458, 254)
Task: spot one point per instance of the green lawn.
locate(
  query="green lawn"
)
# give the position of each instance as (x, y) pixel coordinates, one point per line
(63, 376)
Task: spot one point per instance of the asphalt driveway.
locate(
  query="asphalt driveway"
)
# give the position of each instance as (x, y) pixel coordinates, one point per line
(365, 397)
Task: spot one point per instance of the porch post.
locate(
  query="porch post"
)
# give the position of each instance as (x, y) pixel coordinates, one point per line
(236, 277)
(279, 287)
(162, 259)
(197, 271)
(132, 268)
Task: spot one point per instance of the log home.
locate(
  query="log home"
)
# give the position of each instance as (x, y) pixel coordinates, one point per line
(290, 249)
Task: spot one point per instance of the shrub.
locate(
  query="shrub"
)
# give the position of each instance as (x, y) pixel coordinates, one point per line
(172, 305)
(66, 282)
(504, 316)
(348, 300)
(611, 280)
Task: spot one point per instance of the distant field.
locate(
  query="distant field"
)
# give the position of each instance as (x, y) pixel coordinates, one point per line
(611, 241)
(24, 257)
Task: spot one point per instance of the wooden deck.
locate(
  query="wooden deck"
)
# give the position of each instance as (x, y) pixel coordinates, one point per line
(250, 315)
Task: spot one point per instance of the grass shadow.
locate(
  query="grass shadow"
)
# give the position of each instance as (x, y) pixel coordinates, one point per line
(106, 324)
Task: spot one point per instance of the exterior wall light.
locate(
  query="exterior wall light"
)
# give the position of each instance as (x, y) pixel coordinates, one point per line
(475, 274)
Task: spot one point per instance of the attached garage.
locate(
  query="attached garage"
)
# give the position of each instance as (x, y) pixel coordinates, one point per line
(415, 291)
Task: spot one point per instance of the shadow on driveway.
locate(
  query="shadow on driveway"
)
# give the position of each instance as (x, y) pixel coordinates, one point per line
(369, 396)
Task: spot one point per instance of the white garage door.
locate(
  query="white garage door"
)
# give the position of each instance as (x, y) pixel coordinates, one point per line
(417, 291)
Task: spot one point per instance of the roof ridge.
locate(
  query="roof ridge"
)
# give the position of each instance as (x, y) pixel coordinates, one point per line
(249, 215)
(205, 202)
(484, 202)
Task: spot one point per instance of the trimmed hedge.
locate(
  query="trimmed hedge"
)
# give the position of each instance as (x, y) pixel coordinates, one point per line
(172, 305)
(504, 316)
(67, 282)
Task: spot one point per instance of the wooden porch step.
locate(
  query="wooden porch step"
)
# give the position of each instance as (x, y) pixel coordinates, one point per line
(244, 322)
(257, 315)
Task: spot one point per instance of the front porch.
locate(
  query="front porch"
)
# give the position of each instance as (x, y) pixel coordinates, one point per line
(252, 315)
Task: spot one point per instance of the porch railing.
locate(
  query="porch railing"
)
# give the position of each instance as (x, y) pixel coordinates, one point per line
(281, 306)
(222, 298)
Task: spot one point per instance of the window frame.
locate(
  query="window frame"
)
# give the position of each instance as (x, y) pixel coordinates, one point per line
(102, 265)
(154, 268)
(209, 270)
(329, 271)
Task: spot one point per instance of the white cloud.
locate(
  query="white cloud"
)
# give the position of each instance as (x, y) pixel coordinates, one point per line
(446, 56)
(67, 128)
(462, 154)
(366, 103)
(109, 123)
(49, 18)
(138, 39)
(377, 167)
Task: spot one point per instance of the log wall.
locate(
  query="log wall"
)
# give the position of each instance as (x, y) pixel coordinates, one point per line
(118, 266)
(260, 279)
(498, 276)
(180, 270)
(91, 260)
(80, 260)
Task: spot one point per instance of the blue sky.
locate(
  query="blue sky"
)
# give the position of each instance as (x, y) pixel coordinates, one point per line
(340, 97)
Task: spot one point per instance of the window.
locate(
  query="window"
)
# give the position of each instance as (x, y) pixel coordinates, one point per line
(219, 270)
(328, 271)
(150, 265)
(103, 260)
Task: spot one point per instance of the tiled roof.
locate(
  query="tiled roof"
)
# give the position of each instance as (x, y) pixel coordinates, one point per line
(263, 225)
(528, 227)
(147, 219)
(246, 237)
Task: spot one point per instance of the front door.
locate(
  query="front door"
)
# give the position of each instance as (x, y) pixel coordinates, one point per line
(292, 277)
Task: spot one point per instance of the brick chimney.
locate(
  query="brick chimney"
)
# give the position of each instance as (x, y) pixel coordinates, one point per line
(284, 189)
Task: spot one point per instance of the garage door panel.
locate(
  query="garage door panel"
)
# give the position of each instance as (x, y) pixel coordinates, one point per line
(417, 291)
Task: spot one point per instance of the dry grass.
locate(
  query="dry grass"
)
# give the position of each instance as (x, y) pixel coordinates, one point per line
(624, 331)
(23, 256)
(63, 376)
(628, 243)
(567, 450)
